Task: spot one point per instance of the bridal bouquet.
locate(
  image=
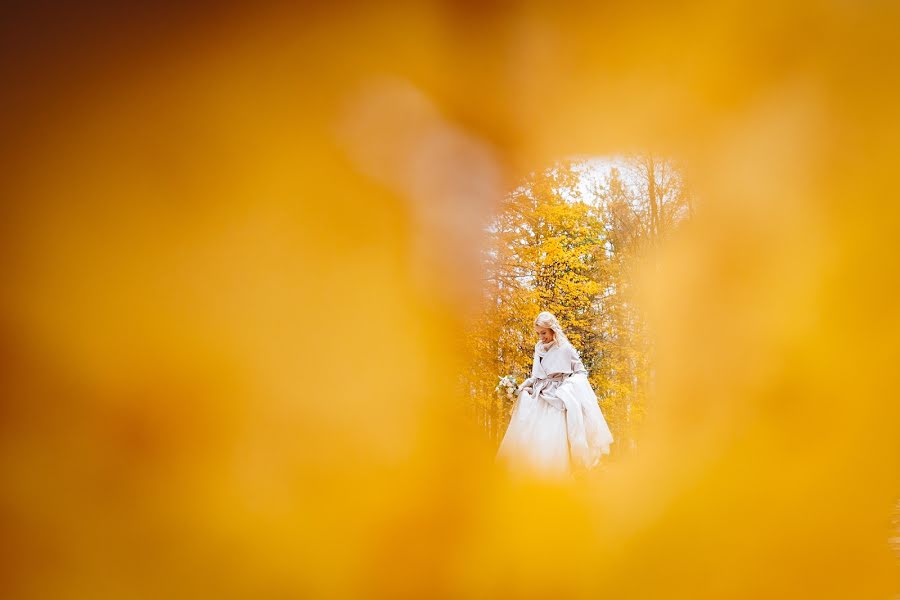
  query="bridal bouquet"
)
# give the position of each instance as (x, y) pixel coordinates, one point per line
(507, 384)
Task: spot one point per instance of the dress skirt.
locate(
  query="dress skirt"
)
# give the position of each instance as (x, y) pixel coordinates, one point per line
(556, 429)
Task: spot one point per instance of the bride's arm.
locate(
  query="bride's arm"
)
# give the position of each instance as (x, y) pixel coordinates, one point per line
(577, 365)
(525, 384)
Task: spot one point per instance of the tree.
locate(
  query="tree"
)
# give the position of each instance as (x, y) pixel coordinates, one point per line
(570, 244)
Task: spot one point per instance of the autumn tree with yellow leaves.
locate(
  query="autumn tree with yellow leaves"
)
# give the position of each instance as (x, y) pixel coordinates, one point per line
(569, 240)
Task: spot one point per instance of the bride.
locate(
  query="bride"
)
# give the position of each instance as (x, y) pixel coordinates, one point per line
(556, 428)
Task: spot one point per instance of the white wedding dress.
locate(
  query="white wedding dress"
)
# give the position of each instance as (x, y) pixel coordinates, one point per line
(556, 427)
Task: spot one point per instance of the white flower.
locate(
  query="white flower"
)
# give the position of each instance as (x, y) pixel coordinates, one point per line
(508, 383)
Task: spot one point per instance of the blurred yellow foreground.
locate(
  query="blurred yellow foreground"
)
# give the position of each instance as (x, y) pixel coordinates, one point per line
(241, 251)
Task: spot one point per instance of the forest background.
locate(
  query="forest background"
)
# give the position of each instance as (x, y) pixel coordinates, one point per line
(573, 239)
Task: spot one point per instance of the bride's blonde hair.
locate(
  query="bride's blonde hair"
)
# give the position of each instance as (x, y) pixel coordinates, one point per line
(549, 321)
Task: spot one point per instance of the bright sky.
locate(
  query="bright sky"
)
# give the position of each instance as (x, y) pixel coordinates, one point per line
(595, 170)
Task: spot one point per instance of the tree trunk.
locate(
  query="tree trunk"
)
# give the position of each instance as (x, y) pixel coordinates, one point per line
(653, 199)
